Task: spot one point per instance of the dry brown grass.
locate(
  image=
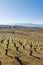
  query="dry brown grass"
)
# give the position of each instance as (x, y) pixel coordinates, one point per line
(24, 47)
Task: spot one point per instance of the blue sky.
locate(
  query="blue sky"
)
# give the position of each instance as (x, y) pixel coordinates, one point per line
(21, 11)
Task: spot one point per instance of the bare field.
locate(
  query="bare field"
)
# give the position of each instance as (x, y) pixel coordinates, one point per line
(21, 46)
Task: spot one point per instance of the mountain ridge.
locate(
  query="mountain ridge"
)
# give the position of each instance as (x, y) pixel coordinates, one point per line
(21, 25)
